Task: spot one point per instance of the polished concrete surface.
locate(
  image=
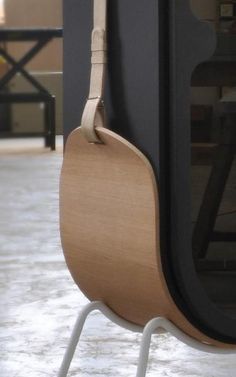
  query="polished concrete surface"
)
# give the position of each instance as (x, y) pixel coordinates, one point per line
(39, 301)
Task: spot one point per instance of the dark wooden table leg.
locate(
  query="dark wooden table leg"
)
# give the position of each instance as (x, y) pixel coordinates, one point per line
(50, 123)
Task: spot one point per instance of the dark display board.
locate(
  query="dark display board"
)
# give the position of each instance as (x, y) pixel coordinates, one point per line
(154, 46)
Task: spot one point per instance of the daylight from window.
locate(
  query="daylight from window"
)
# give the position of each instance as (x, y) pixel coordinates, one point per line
(2, 15)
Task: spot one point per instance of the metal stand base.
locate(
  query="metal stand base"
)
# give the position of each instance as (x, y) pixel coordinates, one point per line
(154, 326)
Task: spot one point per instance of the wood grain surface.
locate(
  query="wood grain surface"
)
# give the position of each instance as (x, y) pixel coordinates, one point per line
(109, 222)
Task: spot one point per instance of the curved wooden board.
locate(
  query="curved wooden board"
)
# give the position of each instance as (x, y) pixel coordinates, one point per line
(109, 221)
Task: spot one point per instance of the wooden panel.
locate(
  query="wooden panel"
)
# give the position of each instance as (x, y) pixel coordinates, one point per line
(109, 218)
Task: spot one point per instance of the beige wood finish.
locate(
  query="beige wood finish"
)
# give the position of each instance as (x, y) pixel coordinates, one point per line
(109, 219)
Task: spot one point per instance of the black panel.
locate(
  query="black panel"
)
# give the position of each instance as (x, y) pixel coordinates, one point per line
(132, 80)
(191, 42)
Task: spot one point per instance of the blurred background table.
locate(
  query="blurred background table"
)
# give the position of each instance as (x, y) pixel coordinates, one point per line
(39, 94)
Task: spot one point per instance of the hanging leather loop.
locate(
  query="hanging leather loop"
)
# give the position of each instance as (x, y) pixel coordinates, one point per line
(93, 114)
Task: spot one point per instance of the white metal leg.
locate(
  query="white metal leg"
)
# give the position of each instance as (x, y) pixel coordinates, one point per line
(74, 340)
(153, 326)
(77, 330)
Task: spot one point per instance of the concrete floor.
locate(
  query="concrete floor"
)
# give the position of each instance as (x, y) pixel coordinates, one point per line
(39, 301)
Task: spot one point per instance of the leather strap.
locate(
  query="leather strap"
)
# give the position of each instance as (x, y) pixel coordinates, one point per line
(94, 114)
